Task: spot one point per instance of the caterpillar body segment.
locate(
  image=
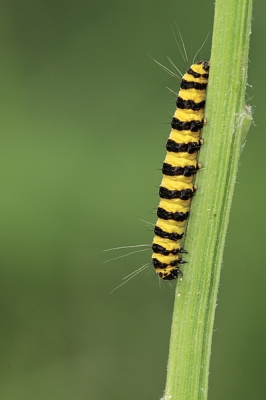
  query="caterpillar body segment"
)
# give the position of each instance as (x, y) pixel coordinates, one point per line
(179, 167)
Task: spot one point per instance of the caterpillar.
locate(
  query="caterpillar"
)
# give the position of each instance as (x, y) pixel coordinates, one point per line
(179, 167)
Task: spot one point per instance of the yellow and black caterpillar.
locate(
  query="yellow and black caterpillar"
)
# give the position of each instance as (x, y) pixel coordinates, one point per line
(179, 168)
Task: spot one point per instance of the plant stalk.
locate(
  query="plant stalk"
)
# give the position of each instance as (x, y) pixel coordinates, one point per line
(228, 120)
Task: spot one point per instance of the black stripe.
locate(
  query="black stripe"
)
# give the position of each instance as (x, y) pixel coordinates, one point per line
(192, 85)
(158, 264)
(176, 216)
(192, 126)
(195, 74)
(183, 194)
(187, 171)
(189, 104)
(162, 250)
(175, 147)
(167, 235)
(190, 71)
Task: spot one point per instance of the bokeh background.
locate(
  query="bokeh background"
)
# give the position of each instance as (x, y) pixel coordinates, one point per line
(83, 111)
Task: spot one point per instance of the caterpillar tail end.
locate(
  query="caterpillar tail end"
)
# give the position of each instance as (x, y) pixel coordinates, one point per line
(167, 272)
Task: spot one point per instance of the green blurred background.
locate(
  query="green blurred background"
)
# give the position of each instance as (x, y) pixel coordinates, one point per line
(83, 111)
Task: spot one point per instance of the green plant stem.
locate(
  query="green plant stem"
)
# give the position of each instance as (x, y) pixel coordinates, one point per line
(228, 120)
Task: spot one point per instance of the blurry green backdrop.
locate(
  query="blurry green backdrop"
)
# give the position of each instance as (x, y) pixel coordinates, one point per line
(83, 111)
